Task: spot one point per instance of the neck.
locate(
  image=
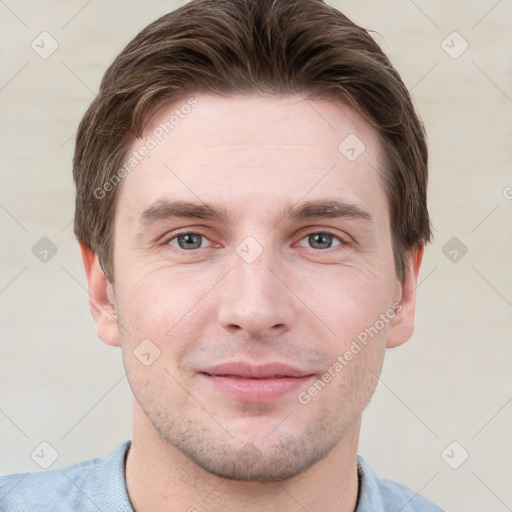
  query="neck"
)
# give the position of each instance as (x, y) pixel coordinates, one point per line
(160, 478)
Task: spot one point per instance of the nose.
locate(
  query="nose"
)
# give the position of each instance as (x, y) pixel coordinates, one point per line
(256, 299)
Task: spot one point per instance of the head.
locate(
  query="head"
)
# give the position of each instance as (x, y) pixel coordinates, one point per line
(251, 186)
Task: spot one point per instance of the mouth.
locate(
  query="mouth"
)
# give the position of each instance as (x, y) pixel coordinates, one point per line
(249, 383)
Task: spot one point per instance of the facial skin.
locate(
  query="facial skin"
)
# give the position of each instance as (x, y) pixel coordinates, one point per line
(301, 302)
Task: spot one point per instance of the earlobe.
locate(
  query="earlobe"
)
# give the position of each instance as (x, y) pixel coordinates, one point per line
(101, 298)
(402, 325)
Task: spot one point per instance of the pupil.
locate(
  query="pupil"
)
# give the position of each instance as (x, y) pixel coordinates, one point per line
(324, 240)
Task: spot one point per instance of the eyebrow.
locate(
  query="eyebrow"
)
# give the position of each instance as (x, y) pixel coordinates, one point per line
(322, 208)
(327, 209)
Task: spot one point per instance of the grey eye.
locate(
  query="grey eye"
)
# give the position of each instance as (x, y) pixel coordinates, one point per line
(321, 240)
(188, 241)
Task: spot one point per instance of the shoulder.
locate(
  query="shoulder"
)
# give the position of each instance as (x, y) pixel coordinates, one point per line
(92, 485)
(380, 494)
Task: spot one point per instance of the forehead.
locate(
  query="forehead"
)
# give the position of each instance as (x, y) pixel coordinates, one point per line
(253, 152)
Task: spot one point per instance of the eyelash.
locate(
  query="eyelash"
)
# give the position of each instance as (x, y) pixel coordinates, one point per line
(343, 241)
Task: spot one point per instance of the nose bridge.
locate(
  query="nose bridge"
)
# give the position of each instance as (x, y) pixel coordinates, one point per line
(254, 298)
(254, 280)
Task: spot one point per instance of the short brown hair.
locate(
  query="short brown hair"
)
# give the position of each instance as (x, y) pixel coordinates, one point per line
(228, 47)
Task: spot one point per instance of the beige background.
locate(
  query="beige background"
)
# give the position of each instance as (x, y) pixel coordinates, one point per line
(451, 382)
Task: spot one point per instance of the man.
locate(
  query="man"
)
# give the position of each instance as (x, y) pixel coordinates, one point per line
(251, 210)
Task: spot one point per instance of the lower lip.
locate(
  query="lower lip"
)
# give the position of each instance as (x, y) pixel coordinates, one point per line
(257, 390)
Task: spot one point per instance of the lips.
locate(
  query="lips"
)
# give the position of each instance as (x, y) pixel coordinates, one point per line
(248, 383)
(266, 371)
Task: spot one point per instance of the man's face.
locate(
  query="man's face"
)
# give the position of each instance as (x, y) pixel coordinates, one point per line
(257, 286)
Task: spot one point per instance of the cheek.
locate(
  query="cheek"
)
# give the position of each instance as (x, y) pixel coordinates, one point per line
(152, 295)
(347, 300)
(162, 310)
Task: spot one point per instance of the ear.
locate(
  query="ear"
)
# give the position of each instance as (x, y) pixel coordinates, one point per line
(402, 325)
(101, 298)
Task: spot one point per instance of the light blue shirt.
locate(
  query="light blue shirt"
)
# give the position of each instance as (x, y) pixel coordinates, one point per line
(99, 485)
